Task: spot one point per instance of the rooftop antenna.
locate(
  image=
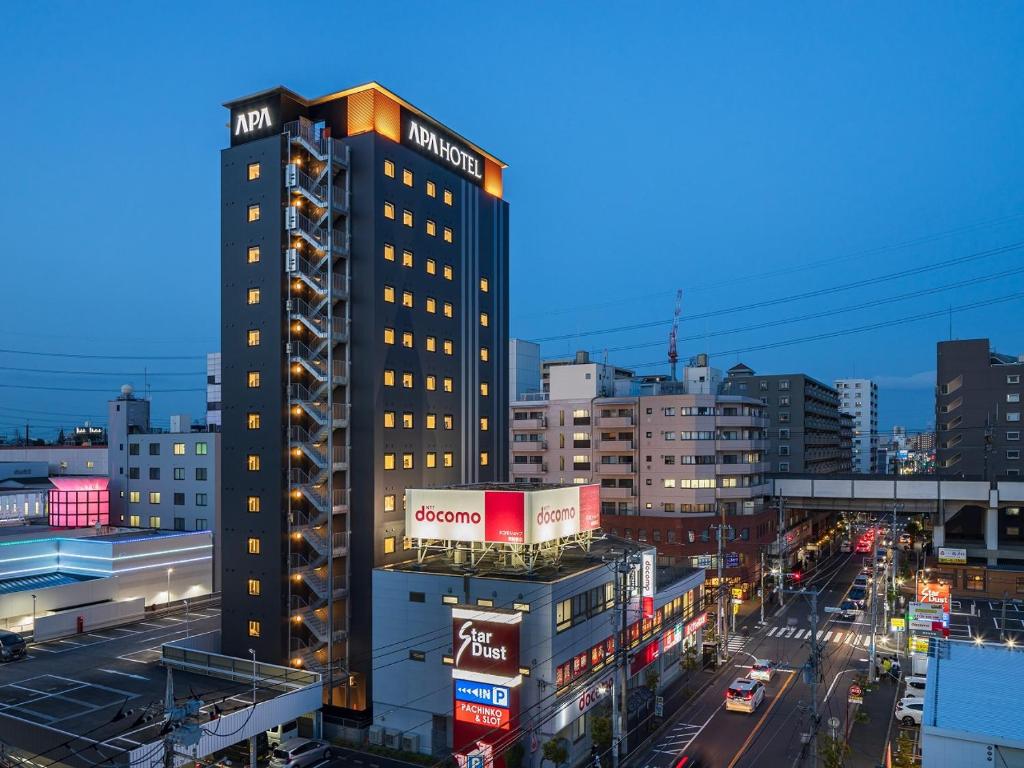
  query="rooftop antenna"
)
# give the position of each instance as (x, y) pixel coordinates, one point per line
(673, 355)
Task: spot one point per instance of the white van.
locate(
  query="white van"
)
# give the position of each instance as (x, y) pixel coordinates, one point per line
(282, 732)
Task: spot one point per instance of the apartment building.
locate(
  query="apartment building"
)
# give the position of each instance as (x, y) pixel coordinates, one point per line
(580, 358)
(523, 368)
(670, 463)
(859, 399)
(978, 410)
(364, 312)
(804, 417)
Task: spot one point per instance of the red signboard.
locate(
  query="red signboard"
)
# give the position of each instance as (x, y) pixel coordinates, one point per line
(482, 714)
(590, 507)
(934, 592)
(694, 624)
(504, 520)
(644, 656)
(486, 641)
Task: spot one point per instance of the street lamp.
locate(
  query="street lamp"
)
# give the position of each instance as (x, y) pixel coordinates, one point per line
(169, 572)
(253, 654)
(33, 617)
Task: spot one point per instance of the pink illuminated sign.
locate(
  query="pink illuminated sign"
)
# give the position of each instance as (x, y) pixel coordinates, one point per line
(78, 502)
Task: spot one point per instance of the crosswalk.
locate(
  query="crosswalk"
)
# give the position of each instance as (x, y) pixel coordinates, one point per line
(736, 642)
(824, 636)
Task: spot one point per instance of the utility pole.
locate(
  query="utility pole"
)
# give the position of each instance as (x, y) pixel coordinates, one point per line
(1002, 620)
(762, 586)
(874, 617)
(780, 585)
(623, 567)
(812, 670)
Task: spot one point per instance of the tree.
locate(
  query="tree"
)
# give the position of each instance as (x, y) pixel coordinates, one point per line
(903, 757)
(689, 659)
(555, 751)
(832, 751)
(601, 733)
(514, 755)
(652, 680)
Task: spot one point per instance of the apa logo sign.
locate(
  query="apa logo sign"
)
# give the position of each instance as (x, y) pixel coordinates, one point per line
(252, 120)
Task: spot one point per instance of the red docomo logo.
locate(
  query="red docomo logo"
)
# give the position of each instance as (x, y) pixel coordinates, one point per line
(556, 515)
(430, 515)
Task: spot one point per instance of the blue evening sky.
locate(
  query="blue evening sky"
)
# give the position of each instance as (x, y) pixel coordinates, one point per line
(744, 152)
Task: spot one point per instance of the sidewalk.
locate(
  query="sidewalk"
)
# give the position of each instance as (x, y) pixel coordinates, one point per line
(868, 739)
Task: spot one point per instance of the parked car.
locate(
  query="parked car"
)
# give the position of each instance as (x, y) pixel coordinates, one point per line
(282, 732)
(861, 581)
(915, 684)
(909, 710)
(298, 753)
(848, 611)
(744, 695)
(12, 646)
(858, 596)
(762, 669)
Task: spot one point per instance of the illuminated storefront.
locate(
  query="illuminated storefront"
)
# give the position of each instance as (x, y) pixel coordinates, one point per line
(78, 502)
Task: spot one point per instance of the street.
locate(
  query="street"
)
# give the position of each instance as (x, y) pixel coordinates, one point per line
(712, 737)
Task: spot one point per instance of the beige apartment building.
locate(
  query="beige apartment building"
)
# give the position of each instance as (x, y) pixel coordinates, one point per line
(671, 458)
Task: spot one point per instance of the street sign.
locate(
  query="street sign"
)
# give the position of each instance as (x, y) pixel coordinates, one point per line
(659, 706)
(481, 693)
(898, 624)
(855, 695)
(732, 560)
(703, 561)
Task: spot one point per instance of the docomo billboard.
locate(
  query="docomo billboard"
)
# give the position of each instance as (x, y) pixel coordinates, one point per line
(502, 517)
(486, 645)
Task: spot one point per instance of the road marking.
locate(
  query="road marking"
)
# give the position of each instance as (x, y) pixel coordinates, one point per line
(72, 642)
(41, 648)
(151, 624)
(800, 634)
(827, 636)
(790, 632)
(123, 674)
(750, 738)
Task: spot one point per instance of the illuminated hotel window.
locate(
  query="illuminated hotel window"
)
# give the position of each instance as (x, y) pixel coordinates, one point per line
(154, 521)
(431, 228)
(407, 299)
(449, 384)
(447, 197)
(431, 189)
(389, 252)
(483, 458)
(484, 389)
(252, 462)
(485, 286)
(407, 177)
(252, 420)
(449, 347)
(389, 419)
(407, 379)
(389, 169)
(254, 213)
(485, 320)
(431, 267)
(484, 425)
(431, 383)
(201, 449)
(253, 338)
(431, 460)
(254, 254)
(389, 461)
(389, 377)
(254, 545)
(134, 521)
(449, 273)
(407, 420)
(449, 310)
(254, 628)
(407, 259)
(431, 421)
(407, 217)
(407, 462)
(407, 339)
(448, 234)
(154, 497)
(389, 545)
(253, 379)
(254, 171)
(431, 344)
(449, 459)
(134, 497)
(389, 294)
(389, 502)
(252, 504)
(253, 296)
(389, 210)
(431, 305)
(389, 335)
(449, 421)
(485, 354)
(254, 587)
(179, 449)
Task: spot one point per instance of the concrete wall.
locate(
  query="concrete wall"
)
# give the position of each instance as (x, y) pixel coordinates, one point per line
(62, 460)
(949, 749)
(94, 617)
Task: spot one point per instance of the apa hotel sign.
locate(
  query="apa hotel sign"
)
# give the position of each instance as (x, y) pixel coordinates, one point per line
(439, 145)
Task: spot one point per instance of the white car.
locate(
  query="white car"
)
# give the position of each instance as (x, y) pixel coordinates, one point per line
(744, 695)
(299, 753)
(763, 670)
(909, 710)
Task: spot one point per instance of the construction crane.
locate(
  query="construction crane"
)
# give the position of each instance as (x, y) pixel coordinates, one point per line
(673, 355)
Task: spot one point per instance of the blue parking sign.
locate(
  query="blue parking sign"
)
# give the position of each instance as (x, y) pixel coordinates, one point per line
(481, 693)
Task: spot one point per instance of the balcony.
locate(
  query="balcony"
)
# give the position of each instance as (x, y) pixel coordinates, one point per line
(744, 444)
(529, 446)
(615, 469)
(751, 468)
(742, 422)
(615, 421)
(615, 445)
(529, 424)
(529, 469)
(743, 493)
(611, 494)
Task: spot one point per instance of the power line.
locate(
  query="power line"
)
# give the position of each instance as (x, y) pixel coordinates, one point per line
(33, 353)
(800, 296)
(102, 373)
(77, 389)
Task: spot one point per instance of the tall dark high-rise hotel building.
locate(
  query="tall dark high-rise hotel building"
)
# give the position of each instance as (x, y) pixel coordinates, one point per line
(364, 259)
